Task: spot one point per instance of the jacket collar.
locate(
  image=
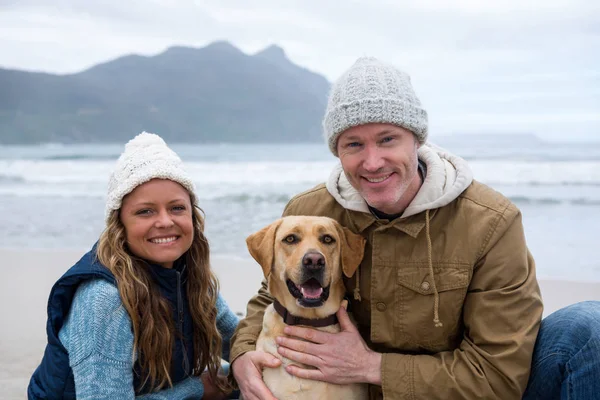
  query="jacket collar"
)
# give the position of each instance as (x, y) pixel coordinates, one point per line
(290, 319)
(167, 278)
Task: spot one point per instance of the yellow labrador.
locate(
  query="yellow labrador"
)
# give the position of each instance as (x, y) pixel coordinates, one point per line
(303, 259)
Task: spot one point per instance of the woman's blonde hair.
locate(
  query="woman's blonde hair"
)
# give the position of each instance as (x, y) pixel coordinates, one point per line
(151, 315)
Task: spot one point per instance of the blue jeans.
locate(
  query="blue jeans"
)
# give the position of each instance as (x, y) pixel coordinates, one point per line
(566, 359)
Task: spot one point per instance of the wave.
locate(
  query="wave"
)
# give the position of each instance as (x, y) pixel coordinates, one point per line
(249, 180)
(249, 198)
(204, 173)
(268, 199)
(78, 157)
(8, 179)
(49, 194)
(285, 198)
(554, 201)
(508, 158)
(546, 184)
(71, 169)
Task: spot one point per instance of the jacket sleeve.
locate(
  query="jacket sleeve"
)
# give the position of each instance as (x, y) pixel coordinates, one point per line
(97, 334)
(227, 321)
(502, 314)
(245, 336)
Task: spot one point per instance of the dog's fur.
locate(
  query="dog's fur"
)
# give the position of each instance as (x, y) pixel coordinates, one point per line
(281, 249)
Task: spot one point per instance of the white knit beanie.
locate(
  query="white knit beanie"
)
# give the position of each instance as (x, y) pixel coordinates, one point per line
(146, 157)
(373, 92)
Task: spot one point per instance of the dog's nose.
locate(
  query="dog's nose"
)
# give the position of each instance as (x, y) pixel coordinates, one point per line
(313, 261)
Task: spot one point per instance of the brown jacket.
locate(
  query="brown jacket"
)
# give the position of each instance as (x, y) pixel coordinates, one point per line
(484, 290)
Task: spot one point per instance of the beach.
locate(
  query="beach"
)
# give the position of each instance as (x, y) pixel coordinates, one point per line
(30, 274)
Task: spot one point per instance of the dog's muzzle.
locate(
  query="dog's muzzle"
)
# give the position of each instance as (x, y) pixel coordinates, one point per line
(311, 291)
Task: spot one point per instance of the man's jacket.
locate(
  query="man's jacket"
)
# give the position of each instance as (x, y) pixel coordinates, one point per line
(483, 293)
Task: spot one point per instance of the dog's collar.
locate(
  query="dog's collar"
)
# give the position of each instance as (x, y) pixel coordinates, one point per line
(290, 319)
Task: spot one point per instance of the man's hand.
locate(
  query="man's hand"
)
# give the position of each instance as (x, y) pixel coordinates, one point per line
(247, 370)
(340, 358)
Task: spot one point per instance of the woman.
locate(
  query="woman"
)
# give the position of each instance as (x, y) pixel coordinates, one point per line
(140, 314)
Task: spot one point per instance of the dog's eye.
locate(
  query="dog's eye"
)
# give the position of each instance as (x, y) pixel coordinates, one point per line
(327, 239)
(290, 239)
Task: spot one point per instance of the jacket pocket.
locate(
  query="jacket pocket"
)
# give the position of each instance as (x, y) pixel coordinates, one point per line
(415, 304)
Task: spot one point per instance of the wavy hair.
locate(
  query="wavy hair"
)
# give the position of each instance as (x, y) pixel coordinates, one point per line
(151, 315)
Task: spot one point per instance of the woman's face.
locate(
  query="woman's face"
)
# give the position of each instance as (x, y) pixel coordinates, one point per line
(157, 216)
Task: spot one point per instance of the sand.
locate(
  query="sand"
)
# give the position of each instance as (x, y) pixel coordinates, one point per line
(28, 276)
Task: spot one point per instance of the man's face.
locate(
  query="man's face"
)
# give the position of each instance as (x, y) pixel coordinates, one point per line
(380, 161)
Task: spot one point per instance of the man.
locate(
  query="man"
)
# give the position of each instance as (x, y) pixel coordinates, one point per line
(446, 299)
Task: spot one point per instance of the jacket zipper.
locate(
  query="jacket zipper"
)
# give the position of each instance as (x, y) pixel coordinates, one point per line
(186, 363)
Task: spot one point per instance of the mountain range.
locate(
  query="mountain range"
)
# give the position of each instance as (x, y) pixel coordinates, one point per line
(215, 93)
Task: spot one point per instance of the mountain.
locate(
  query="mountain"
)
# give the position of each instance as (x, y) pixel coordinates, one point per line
(212, 94)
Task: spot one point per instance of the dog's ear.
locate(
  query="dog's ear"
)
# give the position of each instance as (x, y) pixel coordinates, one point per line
(352, 248)
(261, 246)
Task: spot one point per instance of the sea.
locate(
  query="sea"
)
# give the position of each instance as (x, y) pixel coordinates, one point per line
(52, 196)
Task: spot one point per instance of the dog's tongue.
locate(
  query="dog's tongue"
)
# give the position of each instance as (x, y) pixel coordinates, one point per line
(311, 289)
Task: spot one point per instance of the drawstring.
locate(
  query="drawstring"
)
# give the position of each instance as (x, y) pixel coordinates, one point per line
(436, 295)
(357, 285)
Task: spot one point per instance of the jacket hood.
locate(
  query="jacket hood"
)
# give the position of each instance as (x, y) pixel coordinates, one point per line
(447, 177)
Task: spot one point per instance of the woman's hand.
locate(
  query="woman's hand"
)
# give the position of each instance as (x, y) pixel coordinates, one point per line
(211, 391)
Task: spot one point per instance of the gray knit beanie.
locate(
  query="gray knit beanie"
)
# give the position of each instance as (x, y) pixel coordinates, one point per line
(373, 92)
(146, 157)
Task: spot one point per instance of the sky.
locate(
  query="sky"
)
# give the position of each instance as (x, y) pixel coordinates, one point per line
(478, 66)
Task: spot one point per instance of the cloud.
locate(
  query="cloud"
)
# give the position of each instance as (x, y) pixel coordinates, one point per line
(515, 63)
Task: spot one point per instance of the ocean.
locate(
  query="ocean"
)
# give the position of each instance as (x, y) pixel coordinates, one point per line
(52, 196)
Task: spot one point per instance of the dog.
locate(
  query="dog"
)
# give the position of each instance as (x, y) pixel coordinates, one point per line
(303, 259)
